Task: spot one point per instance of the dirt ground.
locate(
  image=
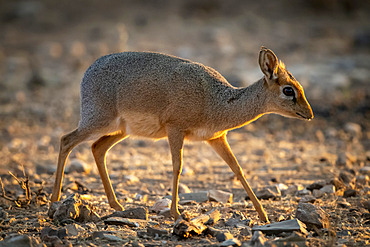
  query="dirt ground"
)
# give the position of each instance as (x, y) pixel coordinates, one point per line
(46, 46)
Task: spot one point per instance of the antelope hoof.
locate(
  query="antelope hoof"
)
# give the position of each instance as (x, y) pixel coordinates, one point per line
(116, 206)
(175, 214)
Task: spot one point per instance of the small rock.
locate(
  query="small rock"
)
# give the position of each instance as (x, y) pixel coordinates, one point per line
(161, 204)
(183, 189)
(154, 232)
(318, 193)
(343, 160)
(220, 196)
(186, 227)
(307, 198)
(362, 180)
(354, 129)
(201, 196)
(269, 192)
(294, 239)
(231, 242)
(19, 241)
(283, 226)
(223, 236)
(106, 236)
(72, 208)
(304, 192)
(74, 230)
(186, 171)
(131, 178)
(118, 221)
(52, 240)
(78, 166)
(246, 231)
(316, 185)
(48, 232)
(312, 215)
(365, 170)
(165, 212)
(212, 231)
(328, 189)
(292, 190)
(131, 213)
(45, 169)
(343, 203)
(282, 186)
(137, 244)
(258, 239)
(349, 193)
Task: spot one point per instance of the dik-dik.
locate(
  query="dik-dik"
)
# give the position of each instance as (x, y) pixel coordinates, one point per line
(155, 95)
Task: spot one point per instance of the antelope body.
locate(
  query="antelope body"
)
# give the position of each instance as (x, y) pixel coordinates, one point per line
(156, 95)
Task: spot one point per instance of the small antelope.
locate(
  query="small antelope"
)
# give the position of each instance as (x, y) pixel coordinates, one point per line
(155, 95)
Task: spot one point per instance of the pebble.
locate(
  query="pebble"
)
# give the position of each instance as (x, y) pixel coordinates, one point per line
(72, 208)
(292, 189)
(312, 215)
(155, 232)
(223, 236)
(48, 232)
(282, 186)
(269, 192)
(362, 180)
(353, 129)
(118, 221)
(131, 213)
(343, 203)
(316, 185)
(231, 242)
(318, 193)
(283, 226)
(45, 169)
(19, 241)
(183, 188)
(74, 230)
(106, 236)
(258, 239)
(365, 170)
(328, 189)
(201, 196)
(131, 178)
(308, 198)
(344, 160)
(349, 193)
(220, 196)
(294, 239)
(78, 166)
(161, 204)
(304, 192)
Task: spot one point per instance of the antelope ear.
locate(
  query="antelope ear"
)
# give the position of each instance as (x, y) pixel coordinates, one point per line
(268, 63)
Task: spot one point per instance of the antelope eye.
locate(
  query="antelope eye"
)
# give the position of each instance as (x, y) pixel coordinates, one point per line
(288, 91)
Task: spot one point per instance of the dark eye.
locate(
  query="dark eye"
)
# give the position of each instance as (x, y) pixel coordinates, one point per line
(288, 91)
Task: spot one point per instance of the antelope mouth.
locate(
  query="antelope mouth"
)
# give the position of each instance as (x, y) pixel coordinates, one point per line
(304, 117)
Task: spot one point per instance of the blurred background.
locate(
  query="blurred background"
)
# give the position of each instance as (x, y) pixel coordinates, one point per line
(45, 47)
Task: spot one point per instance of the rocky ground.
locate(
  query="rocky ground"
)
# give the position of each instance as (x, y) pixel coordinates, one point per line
(316, 172)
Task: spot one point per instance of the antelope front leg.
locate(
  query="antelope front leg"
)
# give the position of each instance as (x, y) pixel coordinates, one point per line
(222, 148)
(176, 142)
